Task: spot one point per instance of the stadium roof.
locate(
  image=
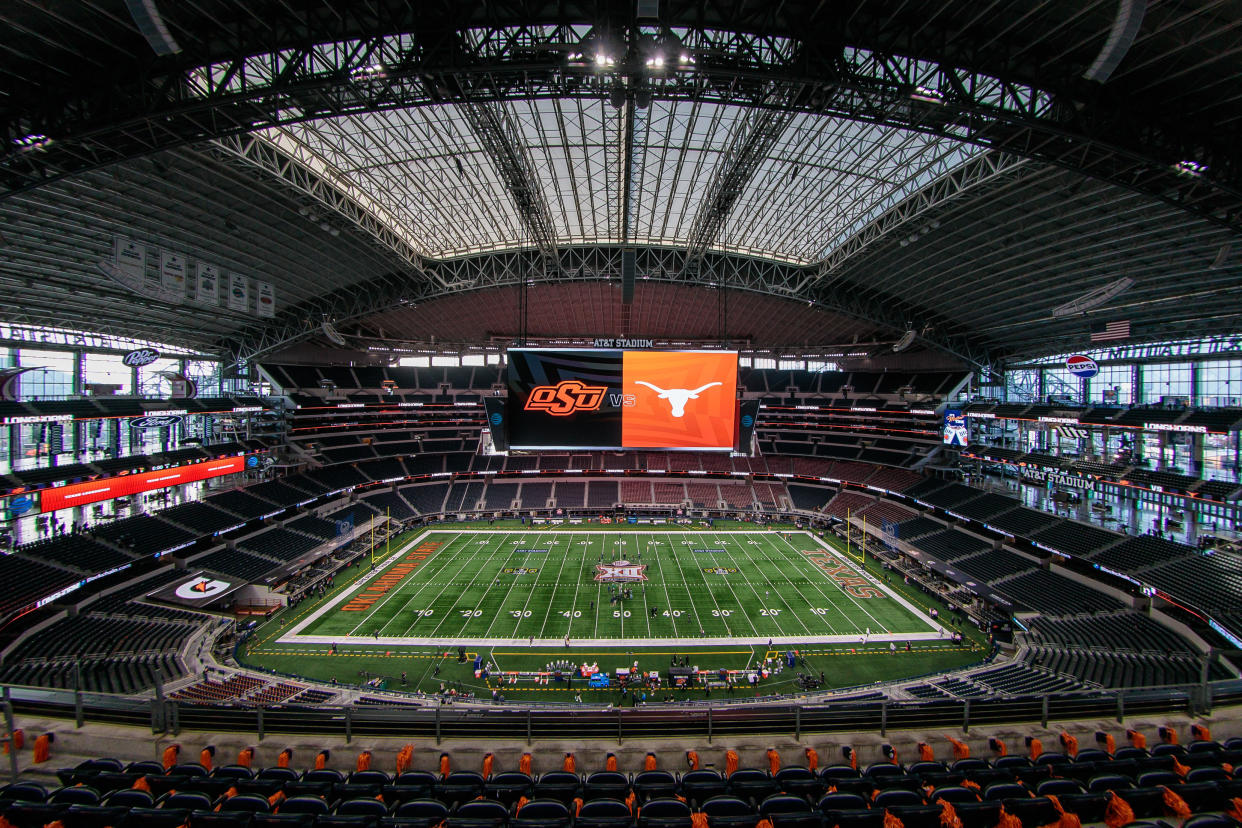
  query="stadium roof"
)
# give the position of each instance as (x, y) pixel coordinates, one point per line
(408, 170)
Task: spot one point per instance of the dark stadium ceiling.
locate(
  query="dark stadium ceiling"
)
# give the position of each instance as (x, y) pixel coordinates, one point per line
(408, 169)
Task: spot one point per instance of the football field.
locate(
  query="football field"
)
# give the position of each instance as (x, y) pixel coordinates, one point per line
(565, 587)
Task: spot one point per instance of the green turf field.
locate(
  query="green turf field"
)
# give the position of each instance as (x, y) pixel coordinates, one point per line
(824, 603)
(538, 588)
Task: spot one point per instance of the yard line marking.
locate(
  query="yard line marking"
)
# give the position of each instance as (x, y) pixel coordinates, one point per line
(468, 559)
(763, 601)
(396, 590)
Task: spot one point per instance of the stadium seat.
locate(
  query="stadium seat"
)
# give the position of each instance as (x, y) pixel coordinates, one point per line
(923, 768)
(1033, 810)
(969, 764)
(1209, 821)
(282, 821)
(460, 786)
(1146, 802)
(896, 796)
(23, 792)
(1004, 790)
(508, 786)
(1108, 782)
(917, 816)
(130, 798)
(421, 813)
(1093, 755)
(654, 784)
(1210, 774)
(603, 813)
(883, 769)
(25, 814)
(278, 774)
(147, 767)
(347, 821)
(187, 800)
(155, 818)
(785, 805)
(954, 794)
(559, 785)
(251, 803)
(606, 785)
(798, 781)
(233, 772)
(93, 816)
(1058, 787)
(361, 807)
(752, 783)
(542, 813)
(303, 805)
(369, 777)
(700, 785)
(664, 813)
(414, 785)
(832, 802)
(222, 819)
(729, 812)
(188, 769)
(334, 777)
(77, 795)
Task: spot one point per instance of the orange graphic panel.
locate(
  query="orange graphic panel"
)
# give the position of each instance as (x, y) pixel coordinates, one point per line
(681, 400)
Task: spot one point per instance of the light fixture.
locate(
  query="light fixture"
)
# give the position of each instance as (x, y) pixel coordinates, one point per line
(927, 95)
(1094, 298)
(1190, 168)
(373, 70)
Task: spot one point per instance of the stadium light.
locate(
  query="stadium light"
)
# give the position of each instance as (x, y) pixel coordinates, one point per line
(927, 95)
(1188, 167)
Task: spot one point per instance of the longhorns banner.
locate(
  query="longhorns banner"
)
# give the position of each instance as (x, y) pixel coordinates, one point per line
(610, 399)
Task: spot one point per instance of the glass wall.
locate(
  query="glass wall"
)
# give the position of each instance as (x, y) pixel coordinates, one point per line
(1169, 381)
(54, 378)
(108, 370)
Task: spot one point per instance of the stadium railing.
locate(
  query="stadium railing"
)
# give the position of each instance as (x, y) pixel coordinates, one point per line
(487, 720)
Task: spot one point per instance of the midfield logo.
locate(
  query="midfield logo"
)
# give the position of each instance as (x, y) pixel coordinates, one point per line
(565, 398)
(621, 571)
(677, 397)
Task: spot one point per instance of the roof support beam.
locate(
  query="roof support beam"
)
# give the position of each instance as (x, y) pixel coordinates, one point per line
(502, 139)
(511, 268)
(749, 147)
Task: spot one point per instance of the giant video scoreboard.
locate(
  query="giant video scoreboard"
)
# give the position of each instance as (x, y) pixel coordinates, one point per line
(621, 399)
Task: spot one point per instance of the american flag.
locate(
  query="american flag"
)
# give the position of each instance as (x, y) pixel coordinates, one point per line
(1105, 331)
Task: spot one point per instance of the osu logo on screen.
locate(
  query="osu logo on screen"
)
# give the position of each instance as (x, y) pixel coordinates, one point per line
(566, 397)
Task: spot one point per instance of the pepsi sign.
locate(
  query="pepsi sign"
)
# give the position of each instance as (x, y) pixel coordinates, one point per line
(154, 421)
(140, 357)
(1082, 366)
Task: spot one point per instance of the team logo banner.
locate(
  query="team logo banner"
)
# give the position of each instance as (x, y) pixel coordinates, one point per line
(620, 572)
(197, 590)
(610, 399)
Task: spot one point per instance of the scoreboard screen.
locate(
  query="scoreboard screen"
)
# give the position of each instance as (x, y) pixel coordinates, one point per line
(613, 399)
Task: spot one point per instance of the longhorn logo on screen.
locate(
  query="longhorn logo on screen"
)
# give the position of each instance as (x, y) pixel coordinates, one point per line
(565, 398)
(678, 397)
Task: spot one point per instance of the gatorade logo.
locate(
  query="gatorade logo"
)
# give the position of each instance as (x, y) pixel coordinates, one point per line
(201, 587)
(565, 398)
